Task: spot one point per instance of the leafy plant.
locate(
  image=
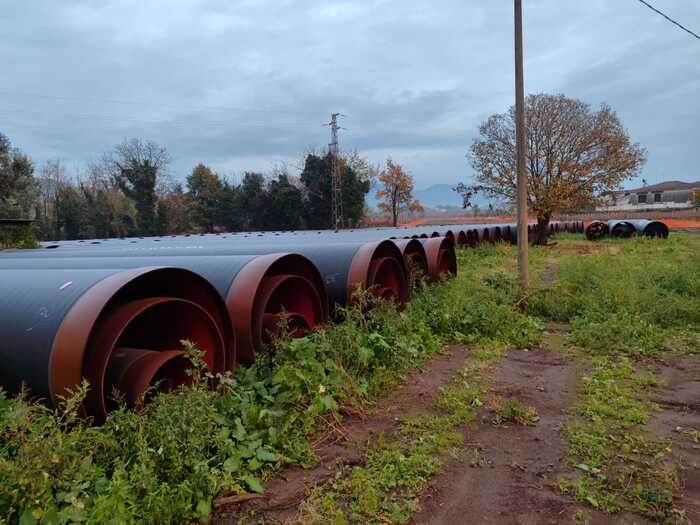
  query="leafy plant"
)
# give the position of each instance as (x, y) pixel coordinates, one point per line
(168, 460)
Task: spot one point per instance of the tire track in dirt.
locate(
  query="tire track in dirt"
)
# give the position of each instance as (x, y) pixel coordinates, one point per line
(512, 478)
(414, 396)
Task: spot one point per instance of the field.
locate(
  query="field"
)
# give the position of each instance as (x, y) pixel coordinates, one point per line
(470, 406)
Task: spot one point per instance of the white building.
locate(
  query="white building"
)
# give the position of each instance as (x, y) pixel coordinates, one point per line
(664, 196)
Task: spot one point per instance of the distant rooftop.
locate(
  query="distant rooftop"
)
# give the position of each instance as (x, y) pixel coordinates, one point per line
(670, 185)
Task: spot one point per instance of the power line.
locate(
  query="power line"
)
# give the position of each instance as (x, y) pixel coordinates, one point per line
(154, 119)
(670, 19)
(149, 104)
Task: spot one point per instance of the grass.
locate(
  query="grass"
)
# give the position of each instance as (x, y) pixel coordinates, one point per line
(633, 300)
(386, 488)
(625, 303)
(624, 307)
(513, 411)
(167, 461)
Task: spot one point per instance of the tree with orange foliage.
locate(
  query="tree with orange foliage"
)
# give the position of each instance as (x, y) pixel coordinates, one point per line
(574, 156)
(695, 199)
(396, 192)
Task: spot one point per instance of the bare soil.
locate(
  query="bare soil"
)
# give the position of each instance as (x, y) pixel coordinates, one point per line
(508, 473)
(679, 422)
(414, 396)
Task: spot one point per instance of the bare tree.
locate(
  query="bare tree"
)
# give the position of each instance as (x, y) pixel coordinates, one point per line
(136, 166)
(52, 177)
(574, 155)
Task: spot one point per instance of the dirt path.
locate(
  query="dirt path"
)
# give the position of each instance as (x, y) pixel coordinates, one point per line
(679, 422)
(508, 473)
(415, 396)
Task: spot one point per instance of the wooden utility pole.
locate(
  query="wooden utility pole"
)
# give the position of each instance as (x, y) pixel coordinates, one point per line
(522, 195)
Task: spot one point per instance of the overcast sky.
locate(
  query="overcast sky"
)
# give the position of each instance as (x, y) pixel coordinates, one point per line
(245, 85)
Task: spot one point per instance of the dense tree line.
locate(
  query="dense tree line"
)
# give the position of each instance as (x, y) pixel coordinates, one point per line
(129, 193)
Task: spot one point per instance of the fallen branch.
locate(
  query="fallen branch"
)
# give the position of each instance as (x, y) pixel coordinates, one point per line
(238, 498)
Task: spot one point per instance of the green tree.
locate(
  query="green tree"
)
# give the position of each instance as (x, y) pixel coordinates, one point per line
(110, 213)
(51, 178)
(71, 212)
(317, 181)
(355, 187)
(136, 167)
(285, 204)
(231, 207)
(18, 188)
(252, 199)
(316, 178)
(205, 191)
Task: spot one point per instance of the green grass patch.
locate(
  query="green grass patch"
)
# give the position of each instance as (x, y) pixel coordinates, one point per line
(386, 488)
(637, 298)
(632, 300)
(166, 462)
(513, 411)
(621, 467)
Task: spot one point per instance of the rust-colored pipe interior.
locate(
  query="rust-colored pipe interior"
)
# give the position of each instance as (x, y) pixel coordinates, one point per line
(384, 278)
(271, 293)
(441, 257)
(137, 344)
(290, 302)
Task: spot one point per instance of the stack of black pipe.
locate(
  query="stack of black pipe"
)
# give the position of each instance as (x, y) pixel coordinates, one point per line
(624, 228)
(114, 311)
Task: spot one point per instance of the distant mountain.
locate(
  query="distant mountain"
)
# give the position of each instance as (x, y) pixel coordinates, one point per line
(438, 196)
(435, 196)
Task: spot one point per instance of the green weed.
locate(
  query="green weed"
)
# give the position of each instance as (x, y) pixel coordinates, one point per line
(386, 488)
(638, 298)
(166, 461)
(632, 299)
(513, 411)
(620, 466)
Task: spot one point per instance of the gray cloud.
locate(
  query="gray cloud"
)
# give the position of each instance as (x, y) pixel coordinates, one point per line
(244, 85)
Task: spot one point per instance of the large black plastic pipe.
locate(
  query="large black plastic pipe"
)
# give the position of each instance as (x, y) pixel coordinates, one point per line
(344, 266)
(257, 289)
(620, 228)
(649, 228)
(61, 326)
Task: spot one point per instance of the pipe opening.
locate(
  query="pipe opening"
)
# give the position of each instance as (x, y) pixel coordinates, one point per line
(447, 264)
(385, 278)
(287, 296)
(295, 325)
(623, 229)
(596, 230)
(125, 342)
(138, 374)
(462, 239)
(472, 238)
(656, 229)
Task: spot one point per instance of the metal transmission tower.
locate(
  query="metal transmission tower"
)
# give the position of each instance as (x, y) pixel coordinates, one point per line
(336, 182)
